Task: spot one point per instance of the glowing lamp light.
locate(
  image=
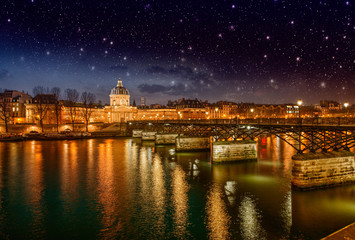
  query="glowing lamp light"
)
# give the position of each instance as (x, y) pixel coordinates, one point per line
(299, 102)
(346, 104)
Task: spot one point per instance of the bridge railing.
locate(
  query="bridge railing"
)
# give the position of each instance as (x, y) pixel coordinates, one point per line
(259, 121)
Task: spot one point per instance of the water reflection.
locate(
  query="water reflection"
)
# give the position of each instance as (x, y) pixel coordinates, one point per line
(286, 213)
(144, 172)
(34, 186)
(218, 219)
(180, 198)
(119, 189)
(69, 178)
(91, 165)
(107, 196)
(250, 220)
(159, 193)
(326, 206)
(230, 189)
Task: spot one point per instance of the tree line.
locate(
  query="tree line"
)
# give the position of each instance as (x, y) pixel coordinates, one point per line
(46, 99)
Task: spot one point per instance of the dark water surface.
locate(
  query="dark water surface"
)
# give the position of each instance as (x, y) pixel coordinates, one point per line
(126, 189)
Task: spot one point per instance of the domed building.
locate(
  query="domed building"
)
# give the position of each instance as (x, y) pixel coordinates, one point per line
(120, 109)
(119, 95)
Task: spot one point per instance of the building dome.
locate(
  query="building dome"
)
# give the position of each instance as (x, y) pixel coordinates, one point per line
(119, 89)
(119, 96)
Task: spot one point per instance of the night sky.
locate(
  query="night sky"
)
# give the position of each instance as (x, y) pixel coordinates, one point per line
(266, 51)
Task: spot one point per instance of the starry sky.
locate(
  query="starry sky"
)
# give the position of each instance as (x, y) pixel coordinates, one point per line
(266, 51)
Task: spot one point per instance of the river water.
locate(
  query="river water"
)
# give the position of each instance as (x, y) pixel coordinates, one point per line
(127, 189)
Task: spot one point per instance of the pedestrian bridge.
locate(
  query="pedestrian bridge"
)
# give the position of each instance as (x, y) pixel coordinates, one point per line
(304, 135)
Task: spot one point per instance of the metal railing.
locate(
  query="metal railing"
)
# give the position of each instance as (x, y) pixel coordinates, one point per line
(259, 121)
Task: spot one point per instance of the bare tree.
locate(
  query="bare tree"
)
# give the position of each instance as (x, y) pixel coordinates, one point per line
(5, 111)
(88, 100)
(57, 106)
(72, 96)
(42, 102)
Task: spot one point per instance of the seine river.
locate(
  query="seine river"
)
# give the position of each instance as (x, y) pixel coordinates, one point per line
(127, 189)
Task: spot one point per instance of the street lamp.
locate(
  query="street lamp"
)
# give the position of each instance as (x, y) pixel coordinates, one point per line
(299, 103)
(346, 105)
(251, 113)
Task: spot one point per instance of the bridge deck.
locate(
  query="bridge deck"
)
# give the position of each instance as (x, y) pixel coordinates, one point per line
(350, 125)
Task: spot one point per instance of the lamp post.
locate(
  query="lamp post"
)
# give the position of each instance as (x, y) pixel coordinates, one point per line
(299, 103)
(346, 105)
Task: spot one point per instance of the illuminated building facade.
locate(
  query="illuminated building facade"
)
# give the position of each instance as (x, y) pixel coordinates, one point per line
(119, 109)
(15, 104)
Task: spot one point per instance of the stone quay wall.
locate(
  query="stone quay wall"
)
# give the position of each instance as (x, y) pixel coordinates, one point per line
(192, 143)
(233, 151)
(322, 169)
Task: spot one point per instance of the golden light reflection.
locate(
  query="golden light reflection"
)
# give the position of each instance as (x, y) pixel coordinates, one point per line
(91, 165)
(14, 164)
(144, 172)
(180, 200)
(33, 166)
(250, 220)
(287, 153)
(218, 218)
(159, 190)
(107, 196)
(131, 163)
(69, 173)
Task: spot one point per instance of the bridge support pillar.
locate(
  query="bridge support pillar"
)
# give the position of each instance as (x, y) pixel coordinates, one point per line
(323, 169)
(232, 151)
(136, 133)
(148, 136)
(192, 143)
(165, 138)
